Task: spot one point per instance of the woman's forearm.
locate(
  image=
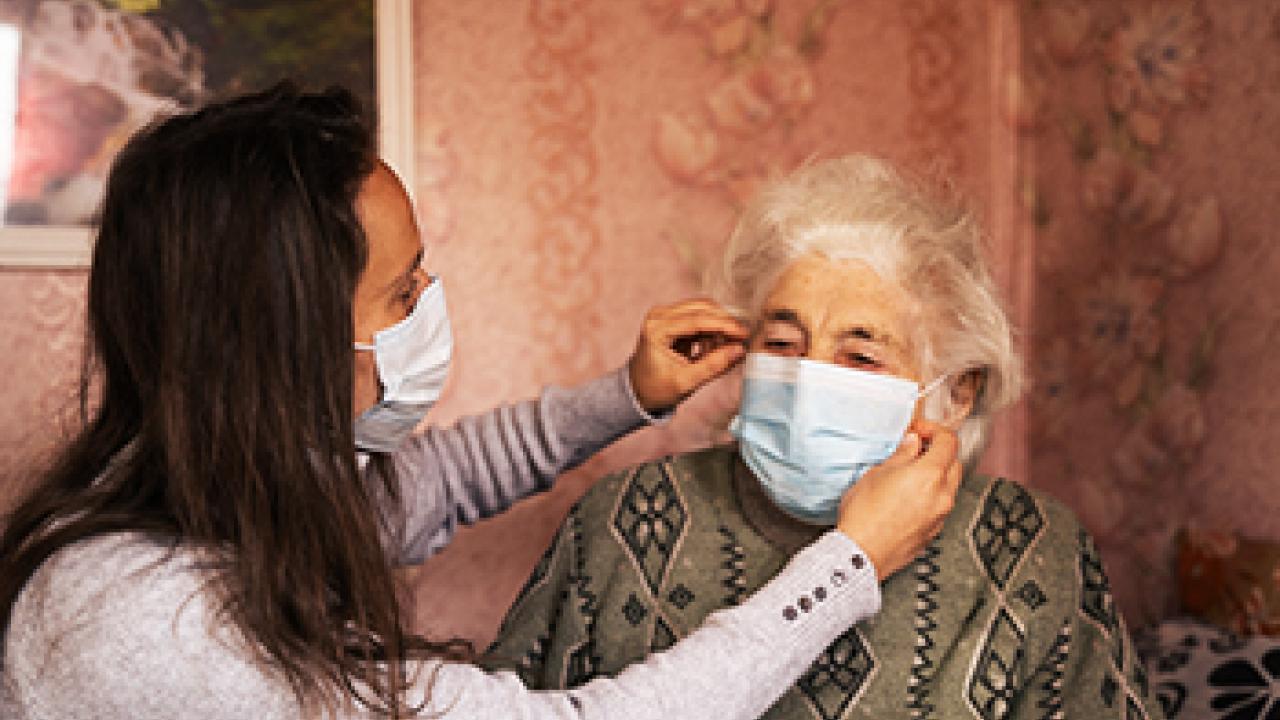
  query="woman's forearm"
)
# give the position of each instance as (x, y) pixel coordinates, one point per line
(735, 666)
(480, 465)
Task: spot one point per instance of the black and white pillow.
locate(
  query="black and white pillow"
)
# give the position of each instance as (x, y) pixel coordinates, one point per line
(1201, 672)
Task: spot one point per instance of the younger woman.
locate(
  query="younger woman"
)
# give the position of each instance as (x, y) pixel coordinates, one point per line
(218, 541)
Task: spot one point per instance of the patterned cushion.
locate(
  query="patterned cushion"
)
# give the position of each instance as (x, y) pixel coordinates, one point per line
(1230, 581)
(1201, 672)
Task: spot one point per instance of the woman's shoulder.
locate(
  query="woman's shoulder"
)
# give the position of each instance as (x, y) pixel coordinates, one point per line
(103, 613)
(106, 586)
(109, 572)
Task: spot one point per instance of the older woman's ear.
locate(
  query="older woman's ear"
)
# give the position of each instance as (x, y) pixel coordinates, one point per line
(965, 393)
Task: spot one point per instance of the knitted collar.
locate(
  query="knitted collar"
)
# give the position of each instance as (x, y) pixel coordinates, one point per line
(775, 526)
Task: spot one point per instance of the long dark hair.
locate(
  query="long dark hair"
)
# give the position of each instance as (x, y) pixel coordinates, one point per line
(217, 388)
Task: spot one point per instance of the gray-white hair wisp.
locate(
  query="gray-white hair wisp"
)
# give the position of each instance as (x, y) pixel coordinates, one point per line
(861, 208)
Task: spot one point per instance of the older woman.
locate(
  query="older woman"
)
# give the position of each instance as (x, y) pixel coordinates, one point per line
(872, 310)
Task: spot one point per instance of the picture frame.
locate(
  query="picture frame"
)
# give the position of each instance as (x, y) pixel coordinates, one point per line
(70, 246)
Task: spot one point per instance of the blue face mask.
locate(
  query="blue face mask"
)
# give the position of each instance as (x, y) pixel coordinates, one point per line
(809, 430)
(413, 359)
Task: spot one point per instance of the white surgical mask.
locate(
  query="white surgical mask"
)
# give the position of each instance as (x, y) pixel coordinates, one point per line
(809, 430)
(413, 358)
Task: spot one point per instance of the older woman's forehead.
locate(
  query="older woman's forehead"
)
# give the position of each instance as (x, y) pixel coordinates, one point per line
(838, 287)
(842, 301)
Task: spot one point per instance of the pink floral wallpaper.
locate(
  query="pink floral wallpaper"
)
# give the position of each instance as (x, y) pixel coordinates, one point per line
(1150, 179)
(41, 329)
(579, 161)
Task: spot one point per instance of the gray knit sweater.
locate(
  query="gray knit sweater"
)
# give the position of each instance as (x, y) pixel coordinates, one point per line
(116, 627)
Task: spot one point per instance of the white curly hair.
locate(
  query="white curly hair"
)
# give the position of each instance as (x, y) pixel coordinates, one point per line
(862, 208)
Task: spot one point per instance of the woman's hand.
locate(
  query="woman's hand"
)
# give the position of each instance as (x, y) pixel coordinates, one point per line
(681, 347)
(899, 505)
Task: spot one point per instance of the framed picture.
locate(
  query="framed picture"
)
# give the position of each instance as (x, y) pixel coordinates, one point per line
(78, 77)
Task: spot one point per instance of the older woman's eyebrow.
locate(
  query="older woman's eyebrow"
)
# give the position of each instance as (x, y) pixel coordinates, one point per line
(868, 333)
(783, 315)
(780, 315)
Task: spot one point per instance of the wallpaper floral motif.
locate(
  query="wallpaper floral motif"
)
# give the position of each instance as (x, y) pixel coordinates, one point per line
(561, 115)
(1144, 214)
(42, 319)
(767, 85)
(936, 59)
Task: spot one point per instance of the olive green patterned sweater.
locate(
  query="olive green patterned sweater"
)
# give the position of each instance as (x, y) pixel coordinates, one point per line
(1007, 614)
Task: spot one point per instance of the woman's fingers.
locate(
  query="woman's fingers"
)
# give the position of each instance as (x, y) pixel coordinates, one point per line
(941, 444)
(710, 365)
(907, 451)
(955, 474)
(698, 323)
(935, 530)
(899, 505)
(681, 347)
(699, 303)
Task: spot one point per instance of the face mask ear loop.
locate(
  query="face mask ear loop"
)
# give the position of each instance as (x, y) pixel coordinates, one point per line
(937, 382)
(364, 346)
(934, 386)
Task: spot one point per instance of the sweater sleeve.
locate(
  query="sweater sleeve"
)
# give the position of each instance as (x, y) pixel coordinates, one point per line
(144, 647)
(482, 464)
(736, 665)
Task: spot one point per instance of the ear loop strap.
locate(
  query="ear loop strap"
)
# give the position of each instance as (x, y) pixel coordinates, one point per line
(934, 386)
(432, 280)
(937, 382)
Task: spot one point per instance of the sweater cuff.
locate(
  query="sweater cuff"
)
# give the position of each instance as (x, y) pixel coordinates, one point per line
(649, 418)
(826, 588)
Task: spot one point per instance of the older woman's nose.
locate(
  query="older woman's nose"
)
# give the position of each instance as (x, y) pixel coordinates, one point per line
(821, 351)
